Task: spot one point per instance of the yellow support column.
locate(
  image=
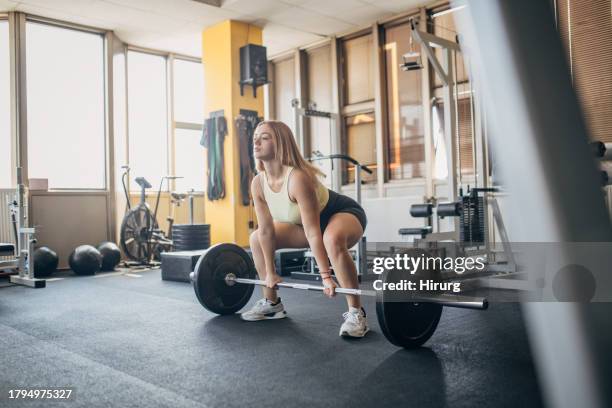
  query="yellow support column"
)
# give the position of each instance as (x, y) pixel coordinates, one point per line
(228, 218)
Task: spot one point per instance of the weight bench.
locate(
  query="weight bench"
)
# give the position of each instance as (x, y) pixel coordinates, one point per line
(7, 249)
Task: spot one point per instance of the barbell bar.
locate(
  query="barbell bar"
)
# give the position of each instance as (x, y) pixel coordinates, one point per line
(465, 302)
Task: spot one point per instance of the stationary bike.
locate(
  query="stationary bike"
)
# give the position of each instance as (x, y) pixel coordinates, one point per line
(141, 238)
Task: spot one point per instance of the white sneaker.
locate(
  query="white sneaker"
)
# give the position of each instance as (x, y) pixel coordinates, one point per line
(355, 324)
(263, 309)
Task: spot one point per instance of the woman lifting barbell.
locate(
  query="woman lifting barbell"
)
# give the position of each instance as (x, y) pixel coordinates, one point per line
(295, 210)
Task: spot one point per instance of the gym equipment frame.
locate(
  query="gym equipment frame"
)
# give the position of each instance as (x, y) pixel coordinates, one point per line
(24, 236)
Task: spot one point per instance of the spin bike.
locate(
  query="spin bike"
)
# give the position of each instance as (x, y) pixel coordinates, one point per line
(141, 238)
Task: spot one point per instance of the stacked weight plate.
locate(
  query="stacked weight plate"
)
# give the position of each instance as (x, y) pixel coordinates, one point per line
(189, 237)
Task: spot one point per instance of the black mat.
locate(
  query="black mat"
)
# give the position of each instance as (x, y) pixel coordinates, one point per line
(128, 341)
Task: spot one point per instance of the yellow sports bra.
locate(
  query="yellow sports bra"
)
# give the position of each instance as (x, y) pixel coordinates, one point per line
(280, 205)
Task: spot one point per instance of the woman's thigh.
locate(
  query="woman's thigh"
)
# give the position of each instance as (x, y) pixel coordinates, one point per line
(343, 227)
(289, 235)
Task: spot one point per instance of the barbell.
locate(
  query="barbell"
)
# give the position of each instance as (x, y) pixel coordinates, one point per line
(225, 276)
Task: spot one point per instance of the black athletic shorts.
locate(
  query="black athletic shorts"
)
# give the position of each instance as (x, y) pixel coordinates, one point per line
(339, 203)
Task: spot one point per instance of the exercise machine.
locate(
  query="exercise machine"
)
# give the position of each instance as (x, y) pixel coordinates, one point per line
(473, 233)
(23, 261)
(141, 238)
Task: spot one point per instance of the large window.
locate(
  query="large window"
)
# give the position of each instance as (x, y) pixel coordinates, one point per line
(65, 107)
(188, 118)
(406, 144)
(6, 162)
(359, 137)
(147, 117)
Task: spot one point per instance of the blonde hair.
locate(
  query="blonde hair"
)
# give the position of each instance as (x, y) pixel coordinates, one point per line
(287, 151)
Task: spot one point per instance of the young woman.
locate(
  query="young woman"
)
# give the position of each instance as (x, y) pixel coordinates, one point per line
(294, 210)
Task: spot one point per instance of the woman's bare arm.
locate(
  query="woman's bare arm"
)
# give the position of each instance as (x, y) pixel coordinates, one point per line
(265, 226)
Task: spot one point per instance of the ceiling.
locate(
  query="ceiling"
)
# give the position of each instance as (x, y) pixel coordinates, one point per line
(176, 25)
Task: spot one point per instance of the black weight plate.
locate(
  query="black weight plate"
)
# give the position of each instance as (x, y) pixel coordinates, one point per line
(209, 283)
(405, 324)
(408, 325)
(190, 235)
(189, 241)
(179, 244)
(190, 227)
(191, 231)
(187, 246)
(190, 248)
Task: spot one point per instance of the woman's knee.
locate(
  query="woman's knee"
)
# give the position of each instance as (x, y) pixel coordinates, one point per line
(254, 240)
(335, 243)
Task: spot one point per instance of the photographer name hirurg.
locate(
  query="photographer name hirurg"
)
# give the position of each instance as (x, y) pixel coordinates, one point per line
(413, 264)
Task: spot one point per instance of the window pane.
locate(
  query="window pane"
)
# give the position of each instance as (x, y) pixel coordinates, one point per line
(406, 155)
(189, 160)
(65, 93)
(284, 91)
(147, 117)
(188, 91)
(320, 94)
(6, 162)
(359, 69)
(465, 158)
(439, 144)
(360, 144)
(445, 27)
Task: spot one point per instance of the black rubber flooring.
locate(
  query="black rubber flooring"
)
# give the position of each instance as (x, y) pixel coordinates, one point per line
(128, 341)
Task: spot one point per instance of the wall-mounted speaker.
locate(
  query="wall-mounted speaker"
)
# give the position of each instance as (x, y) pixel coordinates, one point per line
(253, 66)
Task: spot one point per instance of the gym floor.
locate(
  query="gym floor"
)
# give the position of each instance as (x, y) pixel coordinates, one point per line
(152, 344)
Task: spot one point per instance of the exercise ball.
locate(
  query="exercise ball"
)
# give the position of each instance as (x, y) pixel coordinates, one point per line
(45, 262)
(85, 260)
(111, 255)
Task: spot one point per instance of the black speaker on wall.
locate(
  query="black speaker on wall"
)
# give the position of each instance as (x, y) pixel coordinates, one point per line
(253, 66)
